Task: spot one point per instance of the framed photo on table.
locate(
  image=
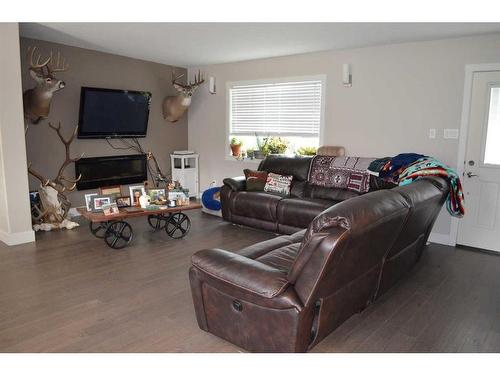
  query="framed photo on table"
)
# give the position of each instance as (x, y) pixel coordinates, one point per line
(88, 200)
(135, 193)
(100, 200)
(124, 201)
(157, 195)
(115, 191)
(110, 209)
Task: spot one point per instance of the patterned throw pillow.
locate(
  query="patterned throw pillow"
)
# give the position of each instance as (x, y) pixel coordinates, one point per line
(278, 184)
(256, 180)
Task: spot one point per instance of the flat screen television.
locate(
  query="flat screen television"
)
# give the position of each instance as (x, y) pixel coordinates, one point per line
(108, 113)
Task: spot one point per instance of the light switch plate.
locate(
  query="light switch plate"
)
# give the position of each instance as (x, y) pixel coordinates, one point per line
(450, 133)
(432, 133)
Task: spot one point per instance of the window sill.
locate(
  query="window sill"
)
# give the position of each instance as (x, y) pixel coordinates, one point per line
(246, 160)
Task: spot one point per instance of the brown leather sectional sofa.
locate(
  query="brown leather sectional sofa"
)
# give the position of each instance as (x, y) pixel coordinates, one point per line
(274, 213)
(288, 293)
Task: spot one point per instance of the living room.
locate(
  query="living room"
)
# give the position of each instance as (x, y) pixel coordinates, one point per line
(237, 185)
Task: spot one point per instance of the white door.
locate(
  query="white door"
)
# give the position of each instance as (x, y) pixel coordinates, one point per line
(480, 227)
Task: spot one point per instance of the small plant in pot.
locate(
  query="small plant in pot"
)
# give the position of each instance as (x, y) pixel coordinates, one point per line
(236, 146)
(275, 145)
(261, 146)
(307, 151)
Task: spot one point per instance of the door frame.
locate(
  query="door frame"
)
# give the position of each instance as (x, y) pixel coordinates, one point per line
(470, 69)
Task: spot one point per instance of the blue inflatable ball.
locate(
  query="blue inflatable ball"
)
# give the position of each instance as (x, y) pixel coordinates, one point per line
(209, 200)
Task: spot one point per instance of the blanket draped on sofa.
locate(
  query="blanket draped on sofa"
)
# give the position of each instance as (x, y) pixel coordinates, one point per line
(341, 172)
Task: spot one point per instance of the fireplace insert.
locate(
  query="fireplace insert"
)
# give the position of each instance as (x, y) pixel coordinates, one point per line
(111, 170)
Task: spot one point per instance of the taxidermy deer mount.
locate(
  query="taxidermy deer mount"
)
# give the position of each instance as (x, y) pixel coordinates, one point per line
(175, 106)
(52, 211)
(37, 100)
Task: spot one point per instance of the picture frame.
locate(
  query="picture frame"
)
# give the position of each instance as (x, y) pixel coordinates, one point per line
(88, 201)
(110, 209)
(123, 201)
(100, 200)
(135, 192)
(157, 195)
(115, 190)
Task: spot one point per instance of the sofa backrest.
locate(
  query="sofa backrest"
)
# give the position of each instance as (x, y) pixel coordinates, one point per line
(425, 198)
(298, 167)
(348, 241)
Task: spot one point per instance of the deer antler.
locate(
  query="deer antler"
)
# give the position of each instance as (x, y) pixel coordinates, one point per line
(175, 78)
(37, 64)
(61, 65)
(60, 179)
(198, 80)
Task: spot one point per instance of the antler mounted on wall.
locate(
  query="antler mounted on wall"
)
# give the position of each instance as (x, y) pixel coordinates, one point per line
(175, 106)
(54, 205)
(37, 100)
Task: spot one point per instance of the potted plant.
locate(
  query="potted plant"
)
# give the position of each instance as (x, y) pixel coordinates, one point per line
(236, 146)
(307, 151)
(261, 146)
(275, 145)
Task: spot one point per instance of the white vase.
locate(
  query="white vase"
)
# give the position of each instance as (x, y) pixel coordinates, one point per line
(144, 200)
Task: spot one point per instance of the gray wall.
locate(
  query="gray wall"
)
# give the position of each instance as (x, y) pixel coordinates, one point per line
(97, 69)
(399, 92)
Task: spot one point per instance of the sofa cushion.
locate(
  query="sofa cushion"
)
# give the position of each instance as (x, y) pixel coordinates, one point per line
(320, 192)
(261, 248)
(281, 258)
(298, 167)
(278, 184)
(256, 180)
(299, 212)
(255, 204)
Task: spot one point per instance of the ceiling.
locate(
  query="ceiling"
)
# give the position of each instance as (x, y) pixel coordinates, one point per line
(194, 44)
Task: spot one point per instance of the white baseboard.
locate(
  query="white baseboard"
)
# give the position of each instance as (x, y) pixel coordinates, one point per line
(212, 212)
(12, 239)
(442, 239)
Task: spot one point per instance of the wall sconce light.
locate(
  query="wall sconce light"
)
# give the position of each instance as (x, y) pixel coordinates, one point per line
(346, 75)
(211, 85)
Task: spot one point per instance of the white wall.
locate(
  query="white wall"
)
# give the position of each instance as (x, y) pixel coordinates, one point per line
(399, 92)
(15, 216)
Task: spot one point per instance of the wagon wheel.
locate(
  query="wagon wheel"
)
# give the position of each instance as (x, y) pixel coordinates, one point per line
(118, 235)
(157, 221)
(178, 225)
(98, 229)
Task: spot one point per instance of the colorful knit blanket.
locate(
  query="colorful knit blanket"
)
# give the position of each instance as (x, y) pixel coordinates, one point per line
(428, 166)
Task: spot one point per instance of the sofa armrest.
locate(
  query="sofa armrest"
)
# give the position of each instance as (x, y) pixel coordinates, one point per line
(236, 183)
(241, 272)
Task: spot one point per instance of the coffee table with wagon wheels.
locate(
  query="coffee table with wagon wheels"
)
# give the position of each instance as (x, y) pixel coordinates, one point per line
(118, 233)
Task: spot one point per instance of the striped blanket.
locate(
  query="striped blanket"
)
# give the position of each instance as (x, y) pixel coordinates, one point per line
(428, 166)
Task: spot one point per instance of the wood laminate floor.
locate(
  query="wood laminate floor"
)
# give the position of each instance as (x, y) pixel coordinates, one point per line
(69, 292)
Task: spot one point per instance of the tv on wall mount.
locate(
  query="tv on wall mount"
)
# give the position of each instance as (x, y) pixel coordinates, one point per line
(110, 113)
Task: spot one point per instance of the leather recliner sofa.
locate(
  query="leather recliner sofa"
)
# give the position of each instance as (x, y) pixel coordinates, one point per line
(274, 213)
(288, 293)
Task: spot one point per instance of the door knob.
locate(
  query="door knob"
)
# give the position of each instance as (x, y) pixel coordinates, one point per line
(470, 174)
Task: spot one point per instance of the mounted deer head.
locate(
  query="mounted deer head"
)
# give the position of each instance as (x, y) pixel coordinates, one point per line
(55, 210)
(37, 100)
(175, 106)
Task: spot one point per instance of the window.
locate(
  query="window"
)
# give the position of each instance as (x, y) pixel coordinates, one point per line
(291, 109)
(492, 151)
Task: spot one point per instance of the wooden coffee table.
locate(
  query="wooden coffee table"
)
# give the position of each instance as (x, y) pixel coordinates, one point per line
(118, 233)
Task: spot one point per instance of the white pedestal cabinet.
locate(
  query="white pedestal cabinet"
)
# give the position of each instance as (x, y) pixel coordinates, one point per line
(185, 170)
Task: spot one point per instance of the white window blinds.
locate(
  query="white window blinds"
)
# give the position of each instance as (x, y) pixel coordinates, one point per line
(283, 108)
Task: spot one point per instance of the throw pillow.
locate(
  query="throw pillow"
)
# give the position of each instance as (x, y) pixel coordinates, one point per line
(278, 184)
(256, 180)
